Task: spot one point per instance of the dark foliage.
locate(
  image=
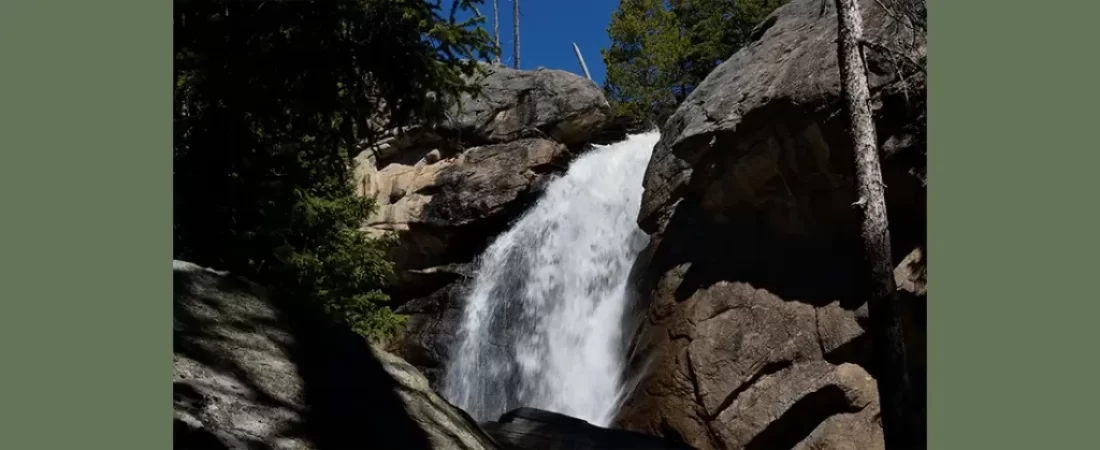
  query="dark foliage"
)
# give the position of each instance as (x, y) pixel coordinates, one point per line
(271, 100)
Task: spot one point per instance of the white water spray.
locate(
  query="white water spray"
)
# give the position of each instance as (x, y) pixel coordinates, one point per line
(543, 321)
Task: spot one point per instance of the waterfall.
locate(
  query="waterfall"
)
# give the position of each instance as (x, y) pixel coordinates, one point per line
(543, 320)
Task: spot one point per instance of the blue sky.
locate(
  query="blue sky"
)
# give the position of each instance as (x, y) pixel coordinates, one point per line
(548, 29)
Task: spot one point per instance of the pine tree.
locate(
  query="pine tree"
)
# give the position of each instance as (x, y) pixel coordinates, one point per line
(662, 49)
(271, 98)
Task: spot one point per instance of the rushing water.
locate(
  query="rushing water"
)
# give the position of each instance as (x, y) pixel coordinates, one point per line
(543, 320)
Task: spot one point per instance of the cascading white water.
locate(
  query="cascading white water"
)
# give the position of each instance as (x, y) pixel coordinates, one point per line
(543, 321)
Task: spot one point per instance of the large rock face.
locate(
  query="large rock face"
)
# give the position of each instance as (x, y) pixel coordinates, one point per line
(448, 191)
(245, 377)
(444, 211)
(751, 334)
(514, 103)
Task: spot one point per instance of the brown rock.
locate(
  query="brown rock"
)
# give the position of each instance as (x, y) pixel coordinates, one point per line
(443, 215)
(738, 367)
(445, 212)
(754, 337)
(742, 334)
(847, 431)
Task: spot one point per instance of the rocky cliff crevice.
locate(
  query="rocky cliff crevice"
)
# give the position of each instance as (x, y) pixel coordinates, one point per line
(753, 334)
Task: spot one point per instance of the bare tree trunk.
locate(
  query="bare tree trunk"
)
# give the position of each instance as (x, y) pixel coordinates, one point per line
(515, 33)
(496, 27)
(895, 391)
(580, 58)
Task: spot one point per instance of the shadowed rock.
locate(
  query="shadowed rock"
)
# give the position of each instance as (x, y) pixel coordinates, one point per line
(536, 429)
(752, 331)
(512, 105)
(445, 213)
(252, 373)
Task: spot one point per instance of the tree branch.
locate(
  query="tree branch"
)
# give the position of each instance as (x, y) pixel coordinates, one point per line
(876, 46)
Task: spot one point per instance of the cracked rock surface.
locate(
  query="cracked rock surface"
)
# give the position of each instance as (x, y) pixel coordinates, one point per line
(751, 335)
(446, 191)
(250, 372)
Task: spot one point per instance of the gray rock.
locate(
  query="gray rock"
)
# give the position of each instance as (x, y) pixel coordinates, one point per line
(512, 105)
(782, 90)
(558, 104)
(753, 337)
(247, 376)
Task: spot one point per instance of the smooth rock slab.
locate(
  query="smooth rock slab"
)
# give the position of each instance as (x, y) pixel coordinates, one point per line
(250, 373)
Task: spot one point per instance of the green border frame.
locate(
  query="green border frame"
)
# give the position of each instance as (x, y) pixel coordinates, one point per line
(85, 187)
(1012, 225)
(86, 241)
